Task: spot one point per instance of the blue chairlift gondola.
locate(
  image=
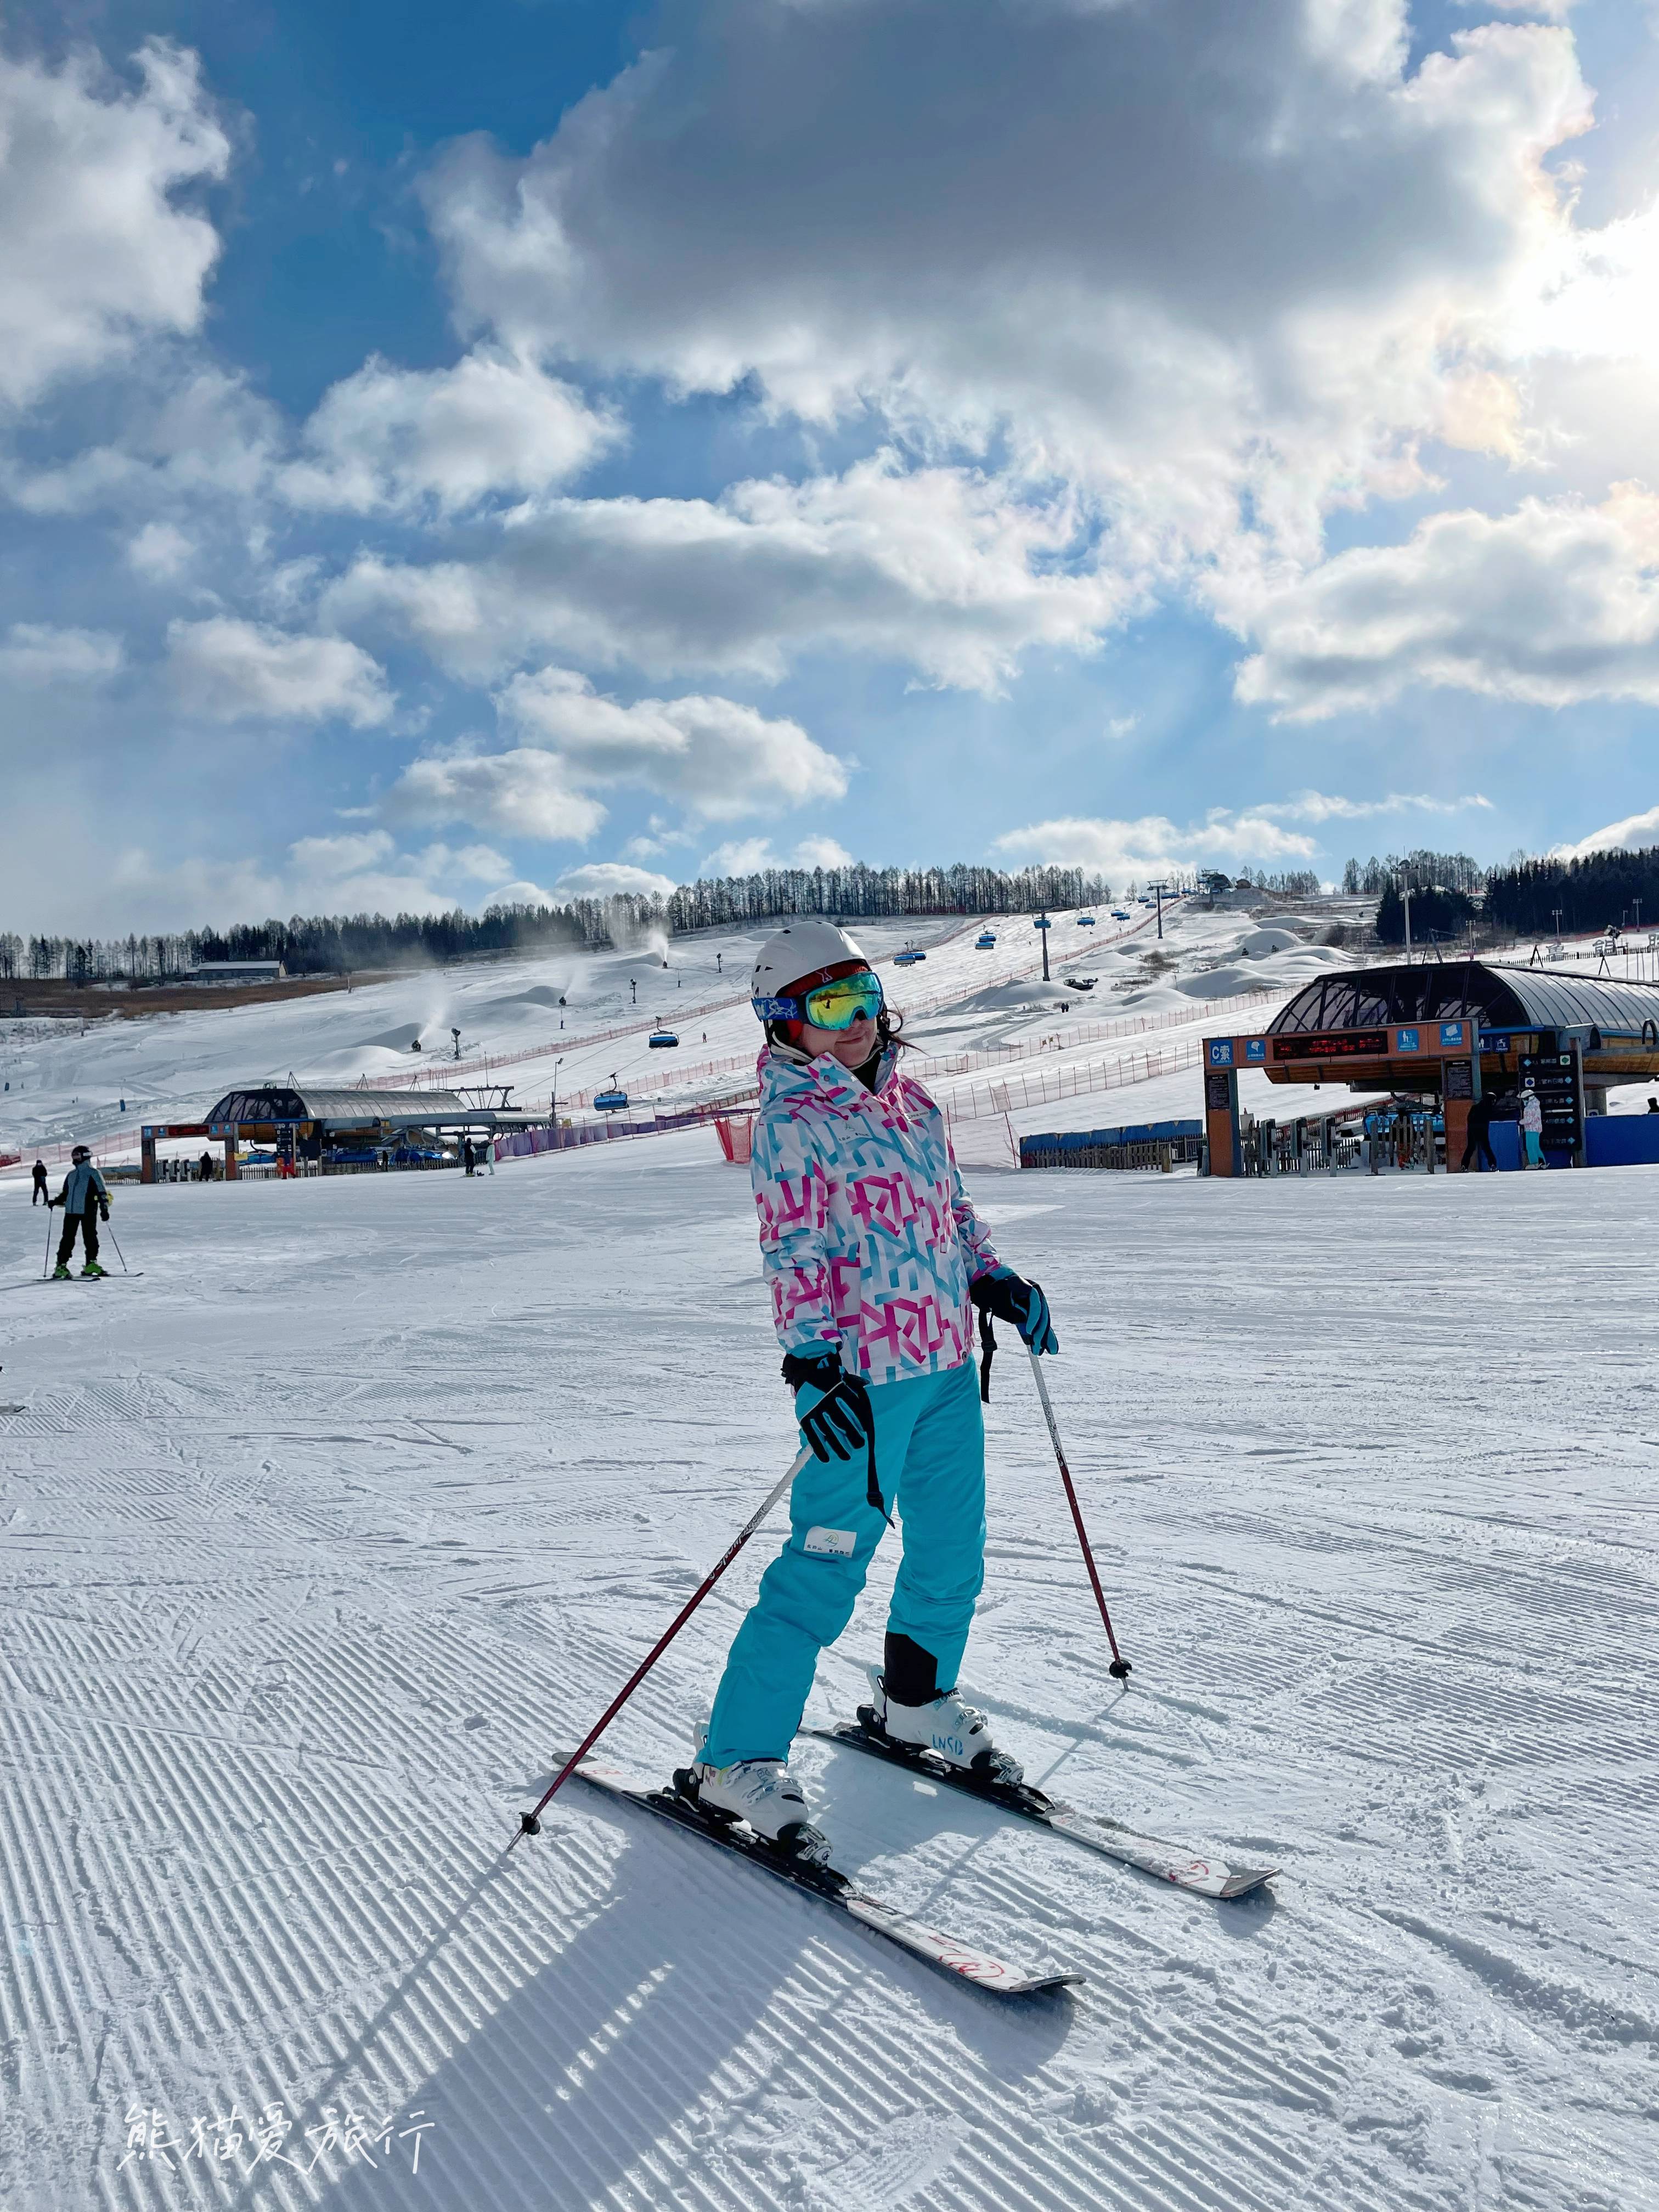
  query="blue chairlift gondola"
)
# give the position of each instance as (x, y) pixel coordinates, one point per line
(908, 958)
(661, 1040)
(1120, 914)
(987, 941)
(1085, 921)
(613, 1101)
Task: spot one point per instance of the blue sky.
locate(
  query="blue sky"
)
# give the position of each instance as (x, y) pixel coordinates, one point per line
(537, 447)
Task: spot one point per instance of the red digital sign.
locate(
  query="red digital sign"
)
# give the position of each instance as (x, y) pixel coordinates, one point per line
(1333, 1044)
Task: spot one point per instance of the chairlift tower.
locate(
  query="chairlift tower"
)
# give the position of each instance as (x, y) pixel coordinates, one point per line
(1157, 891)
(1043, 923)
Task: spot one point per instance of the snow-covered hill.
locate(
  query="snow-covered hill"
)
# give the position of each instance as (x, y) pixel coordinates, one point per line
(322, 1538)
(515, 1017)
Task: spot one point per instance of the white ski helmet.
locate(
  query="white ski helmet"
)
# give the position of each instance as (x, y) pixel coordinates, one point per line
(806, 951)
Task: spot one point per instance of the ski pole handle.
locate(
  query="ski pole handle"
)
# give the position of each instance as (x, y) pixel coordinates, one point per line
(1119, 1668)
(530, 1823)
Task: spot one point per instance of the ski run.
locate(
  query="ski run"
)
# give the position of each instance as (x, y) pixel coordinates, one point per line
(320, 1535)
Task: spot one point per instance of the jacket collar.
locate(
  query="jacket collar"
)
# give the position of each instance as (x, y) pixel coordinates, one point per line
(787, 1073)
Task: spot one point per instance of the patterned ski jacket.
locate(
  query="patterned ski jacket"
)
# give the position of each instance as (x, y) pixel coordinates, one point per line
(868, 1242)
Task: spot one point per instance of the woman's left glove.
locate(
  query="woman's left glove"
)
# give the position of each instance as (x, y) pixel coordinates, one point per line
(1009, 1297)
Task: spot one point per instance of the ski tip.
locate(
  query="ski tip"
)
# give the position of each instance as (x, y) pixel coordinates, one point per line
(1244, 1881)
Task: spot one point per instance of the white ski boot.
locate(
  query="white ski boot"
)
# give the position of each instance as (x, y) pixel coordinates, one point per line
(764, 1793)
(958, 1733)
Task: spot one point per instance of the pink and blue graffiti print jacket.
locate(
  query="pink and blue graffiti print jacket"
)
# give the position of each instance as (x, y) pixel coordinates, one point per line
(868, 1242)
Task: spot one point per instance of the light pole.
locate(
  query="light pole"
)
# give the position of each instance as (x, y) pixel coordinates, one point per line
(553, 1094)
(456, 1034)
(1406, 895)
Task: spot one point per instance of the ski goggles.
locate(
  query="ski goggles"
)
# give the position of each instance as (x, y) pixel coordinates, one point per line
(833, 1005)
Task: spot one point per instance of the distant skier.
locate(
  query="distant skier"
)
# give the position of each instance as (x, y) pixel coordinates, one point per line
(205, 1167)
(39, 1186)
(83, 1198)
(1478, 1146)
(875, 1260)
(469, 1158)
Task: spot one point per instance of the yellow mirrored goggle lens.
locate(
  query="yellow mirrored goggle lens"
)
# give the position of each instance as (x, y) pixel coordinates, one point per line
(848, 999)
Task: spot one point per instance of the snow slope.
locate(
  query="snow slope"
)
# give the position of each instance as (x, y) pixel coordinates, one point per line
(65, 1085)
(322, 1538)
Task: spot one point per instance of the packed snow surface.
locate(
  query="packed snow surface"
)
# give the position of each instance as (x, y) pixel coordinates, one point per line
(324, 1536)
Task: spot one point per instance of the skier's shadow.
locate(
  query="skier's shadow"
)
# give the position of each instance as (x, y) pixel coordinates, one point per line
(611, 2046)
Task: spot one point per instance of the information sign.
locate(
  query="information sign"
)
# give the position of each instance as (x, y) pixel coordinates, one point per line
(1221, 1052)
(1555, 1077)
(1333, 1044)
(1458, 1078)
(1408, 1040)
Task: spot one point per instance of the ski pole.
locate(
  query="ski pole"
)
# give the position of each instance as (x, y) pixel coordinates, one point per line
(530, 1823)
(45, 1265)
(1120, 1667)
(119, 1254)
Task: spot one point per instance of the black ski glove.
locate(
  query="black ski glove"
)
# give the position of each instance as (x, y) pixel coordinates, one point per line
(843, 1423)
(1010, 1298)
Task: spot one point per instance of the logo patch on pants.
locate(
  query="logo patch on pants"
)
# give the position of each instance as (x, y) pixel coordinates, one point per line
(829, 1543)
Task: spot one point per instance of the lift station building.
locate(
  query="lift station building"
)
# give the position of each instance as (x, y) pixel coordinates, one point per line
(1453, 1030)
(314, 1120)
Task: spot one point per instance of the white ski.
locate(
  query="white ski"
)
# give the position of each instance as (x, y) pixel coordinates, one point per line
(962, 1961)
(1170, 1862)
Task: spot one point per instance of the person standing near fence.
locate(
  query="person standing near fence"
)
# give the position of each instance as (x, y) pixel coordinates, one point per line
(39, 1188)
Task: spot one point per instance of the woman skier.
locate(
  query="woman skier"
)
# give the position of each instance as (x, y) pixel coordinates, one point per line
(875, 1261)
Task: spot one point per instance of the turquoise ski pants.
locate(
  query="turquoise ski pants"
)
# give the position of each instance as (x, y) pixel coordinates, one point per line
(930, 1462)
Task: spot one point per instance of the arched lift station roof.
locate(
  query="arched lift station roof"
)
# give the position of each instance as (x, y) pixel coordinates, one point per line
(264, 1106)
(1499, 998)
(1616, 1024)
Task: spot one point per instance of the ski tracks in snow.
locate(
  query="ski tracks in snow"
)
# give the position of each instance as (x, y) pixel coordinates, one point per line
(304, 1586)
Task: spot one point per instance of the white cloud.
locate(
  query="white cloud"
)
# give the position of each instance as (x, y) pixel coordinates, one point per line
(744, 856)
(1198, 256)
(942, 570)
(820, 853)
(226, 670)
(160, 551)
(39, 657)
(1152, 843)
(1552, 605)
(188, 438)
(1321, 806)
(350, 873)
(718, 757)
(748, 856)
(96, 250)
(386, 439)
(523, 794)
(1635, 834)
(601, 880)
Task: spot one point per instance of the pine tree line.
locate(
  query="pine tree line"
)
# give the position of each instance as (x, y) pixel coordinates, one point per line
(339, 943)
(861, 891)
(1427, 870)
(1599, 891)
